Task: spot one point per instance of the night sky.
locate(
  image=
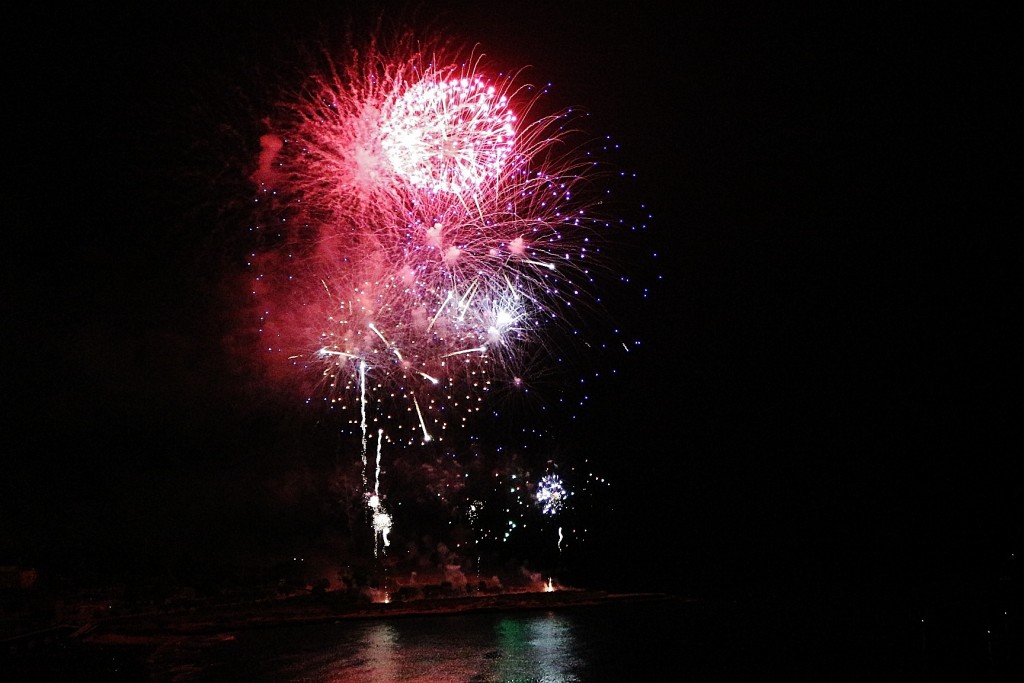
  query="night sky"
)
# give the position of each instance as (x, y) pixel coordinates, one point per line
(826, 392)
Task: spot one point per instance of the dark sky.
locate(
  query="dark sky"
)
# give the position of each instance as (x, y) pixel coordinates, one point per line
(827, 385)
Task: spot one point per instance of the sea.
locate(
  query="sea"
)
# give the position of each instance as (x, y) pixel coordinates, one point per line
(670, 639)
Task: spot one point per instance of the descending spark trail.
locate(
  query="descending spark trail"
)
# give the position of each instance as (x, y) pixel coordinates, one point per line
(381, 520)
(376, 474)
(423, 425)
(362, 412)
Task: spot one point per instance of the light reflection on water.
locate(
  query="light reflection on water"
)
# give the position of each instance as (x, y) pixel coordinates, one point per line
(537, 647)
(664, 640)
(605, 643)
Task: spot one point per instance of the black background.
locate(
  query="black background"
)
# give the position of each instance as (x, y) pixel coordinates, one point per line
(826, 396)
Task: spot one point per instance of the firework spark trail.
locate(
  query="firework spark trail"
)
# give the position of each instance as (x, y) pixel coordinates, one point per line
(423, 425)
(362, 413)
(381, 520)
(376, 474)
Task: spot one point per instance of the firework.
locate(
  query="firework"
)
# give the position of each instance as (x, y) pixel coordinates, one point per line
(449, 134)
(434, 241)
(551, 494)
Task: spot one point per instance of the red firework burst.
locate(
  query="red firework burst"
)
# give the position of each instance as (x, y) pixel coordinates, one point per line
(430, 237)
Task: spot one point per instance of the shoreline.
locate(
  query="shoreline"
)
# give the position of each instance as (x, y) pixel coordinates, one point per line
(328, 608)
